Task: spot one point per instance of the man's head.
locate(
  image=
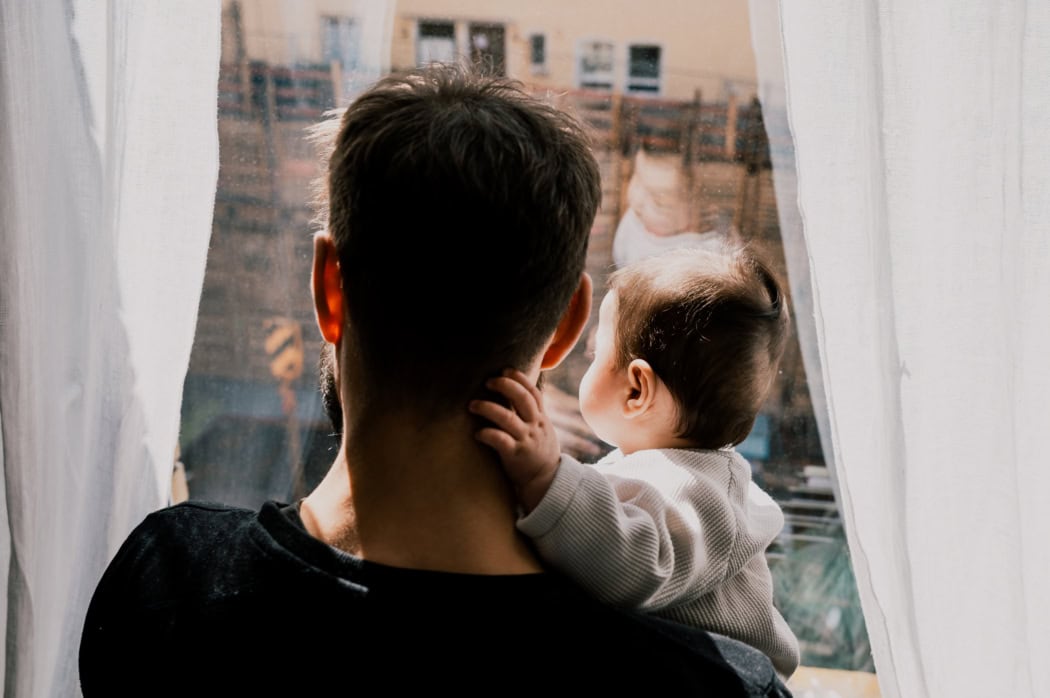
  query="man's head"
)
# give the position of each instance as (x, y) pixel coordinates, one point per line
(712, 327)
(459, 210)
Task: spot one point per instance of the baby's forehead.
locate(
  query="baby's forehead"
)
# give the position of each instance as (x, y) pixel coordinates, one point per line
(609, 307)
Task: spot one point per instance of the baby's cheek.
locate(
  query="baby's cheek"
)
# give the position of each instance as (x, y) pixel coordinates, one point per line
(590, 408)
(585, 390)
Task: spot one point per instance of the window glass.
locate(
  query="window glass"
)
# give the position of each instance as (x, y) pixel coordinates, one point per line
(596, 65)
(339, 41)
(487, 47)
(680, 138)
(643, 69)
(538, 52)
(437, 42)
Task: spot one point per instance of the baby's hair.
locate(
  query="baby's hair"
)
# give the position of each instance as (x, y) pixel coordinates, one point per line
(713, 326)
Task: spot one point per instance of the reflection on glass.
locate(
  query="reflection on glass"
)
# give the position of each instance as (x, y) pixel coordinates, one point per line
(668, 91)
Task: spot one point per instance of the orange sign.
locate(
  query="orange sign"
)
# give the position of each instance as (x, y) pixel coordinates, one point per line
(284, 346)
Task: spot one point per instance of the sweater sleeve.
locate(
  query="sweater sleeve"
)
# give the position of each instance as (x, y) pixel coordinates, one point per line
(633, 542)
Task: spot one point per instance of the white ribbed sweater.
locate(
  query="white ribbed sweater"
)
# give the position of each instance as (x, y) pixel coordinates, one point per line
(681, 533)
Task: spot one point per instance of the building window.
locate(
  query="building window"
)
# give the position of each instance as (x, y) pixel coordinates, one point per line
(436, 43)
(538, 53)
(595, 65)
(643, 69)
(488, 48)
(340, 38)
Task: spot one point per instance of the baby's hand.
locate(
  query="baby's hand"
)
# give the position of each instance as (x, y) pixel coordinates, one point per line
(523, 435)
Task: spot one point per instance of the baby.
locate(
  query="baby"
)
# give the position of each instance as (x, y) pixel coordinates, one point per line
(687, 348)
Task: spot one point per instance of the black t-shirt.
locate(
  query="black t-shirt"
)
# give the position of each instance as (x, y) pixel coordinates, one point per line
(212, 600)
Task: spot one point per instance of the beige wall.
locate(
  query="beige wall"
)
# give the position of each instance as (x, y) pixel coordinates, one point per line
(289, 31)
(706, 44)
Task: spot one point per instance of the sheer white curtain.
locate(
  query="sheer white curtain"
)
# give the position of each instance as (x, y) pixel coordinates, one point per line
(109, 160)
(922, 151)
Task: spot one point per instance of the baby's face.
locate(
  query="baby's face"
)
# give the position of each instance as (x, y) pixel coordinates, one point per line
(602, 385)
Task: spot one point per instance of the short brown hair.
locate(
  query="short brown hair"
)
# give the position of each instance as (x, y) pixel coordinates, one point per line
(461, 208)
(713, 327)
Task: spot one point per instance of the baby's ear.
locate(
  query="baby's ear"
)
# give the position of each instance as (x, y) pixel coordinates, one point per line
(642, 383)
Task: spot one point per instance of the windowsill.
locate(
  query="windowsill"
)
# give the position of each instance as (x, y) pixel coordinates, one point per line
(817, 682)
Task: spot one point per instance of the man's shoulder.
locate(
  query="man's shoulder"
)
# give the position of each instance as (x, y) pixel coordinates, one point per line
(195, 513)
(594, 646)
(585, 645)
(192, 516)
(186, 529)
(676, 656)
(727, 666)
(227, 603)
(178, 551)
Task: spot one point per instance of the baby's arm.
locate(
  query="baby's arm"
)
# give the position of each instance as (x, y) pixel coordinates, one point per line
(642, 533)
(521, 434)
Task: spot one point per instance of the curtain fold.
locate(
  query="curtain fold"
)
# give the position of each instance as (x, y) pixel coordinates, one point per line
(110, 157)
(921, 144)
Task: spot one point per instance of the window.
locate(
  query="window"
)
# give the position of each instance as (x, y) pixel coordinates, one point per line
(436, 43)
(488, 47)
(339, 41)
(643, 69)
(595, 65)
(538, 53)
(253, 426)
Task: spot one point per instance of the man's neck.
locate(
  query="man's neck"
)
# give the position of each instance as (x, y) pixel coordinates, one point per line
(424, 497)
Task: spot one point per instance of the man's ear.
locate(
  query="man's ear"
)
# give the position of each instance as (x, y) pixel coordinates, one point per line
(642, 383)
(571, 325)
(327, 281)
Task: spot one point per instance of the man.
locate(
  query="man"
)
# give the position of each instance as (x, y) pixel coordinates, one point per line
(458, 216)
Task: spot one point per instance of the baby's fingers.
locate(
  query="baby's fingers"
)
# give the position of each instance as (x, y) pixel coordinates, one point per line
(502, 442)
(522, 395)
(533, 390)
(499, 415)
